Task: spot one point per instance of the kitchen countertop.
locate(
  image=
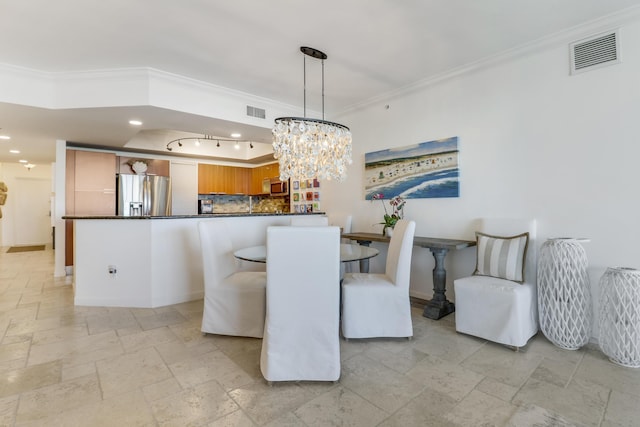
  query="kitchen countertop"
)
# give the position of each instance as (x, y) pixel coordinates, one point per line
(220, 215)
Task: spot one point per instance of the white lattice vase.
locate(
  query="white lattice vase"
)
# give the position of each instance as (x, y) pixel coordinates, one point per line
(620, 316)
(564, 297)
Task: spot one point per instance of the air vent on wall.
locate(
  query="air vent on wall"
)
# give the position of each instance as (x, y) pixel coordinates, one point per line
(595, 52)
(256, 112)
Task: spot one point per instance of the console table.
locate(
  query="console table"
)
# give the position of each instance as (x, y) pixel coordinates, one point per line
(438, 306)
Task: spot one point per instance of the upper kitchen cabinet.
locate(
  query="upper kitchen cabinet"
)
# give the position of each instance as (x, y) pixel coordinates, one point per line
(94, 182)
(260, 173)
(241, 180)
(222, 179)
(206, 174)
(210, 179)
(234, 180)
(154, 166)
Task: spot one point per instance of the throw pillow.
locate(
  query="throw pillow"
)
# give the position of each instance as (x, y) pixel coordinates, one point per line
(501, 256)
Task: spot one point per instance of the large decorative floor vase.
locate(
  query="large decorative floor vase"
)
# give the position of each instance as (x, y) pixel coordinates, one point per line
(564, 297)
(620, 316)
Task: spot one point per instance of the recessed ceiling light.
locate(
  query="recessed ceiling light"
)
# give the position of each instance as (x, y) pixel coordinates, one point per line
(235, 135)
(5, 137)
(135, 122)
(14, 151)
(22, 161)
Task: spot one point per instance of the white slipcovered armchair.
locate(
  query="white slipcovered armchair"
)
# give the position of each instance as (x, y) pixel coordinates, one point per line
(302, 329)
(378, 305)
(234, 301)
(493, 304)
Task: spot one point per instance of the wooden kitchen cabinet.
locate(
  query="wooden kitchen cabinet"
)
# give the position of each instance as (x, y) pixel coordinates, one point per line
(210, 179)
(90, 186)
(222, 179)
(205, 178)
(227, 179)
(260, 173)
(95, 183)
(234, 180)
(154, 166)
(241, 180)
(95, 171)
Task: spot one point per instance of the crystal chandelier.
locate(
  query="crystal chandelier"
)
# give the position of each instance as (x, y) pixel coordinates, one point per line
(311, 148)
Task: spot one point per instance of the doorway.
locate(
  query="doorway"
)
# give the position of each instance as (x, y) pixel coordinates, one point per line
(32, 211)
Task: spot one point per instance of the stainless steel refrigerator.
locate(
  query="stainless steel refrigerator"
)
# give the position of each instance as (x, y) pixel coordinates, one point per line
(144, 195)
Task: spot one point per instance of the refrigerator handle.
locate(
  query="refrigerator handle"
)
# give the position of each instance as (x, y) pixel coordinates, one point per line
(146, 196)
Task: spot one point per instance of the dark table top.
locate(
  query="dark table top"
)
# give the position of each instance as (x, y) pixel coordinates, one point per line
(424, 242)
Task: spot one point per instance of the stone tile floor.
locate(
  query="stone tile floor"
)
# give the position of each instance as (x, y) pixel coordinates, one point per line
(91, 366)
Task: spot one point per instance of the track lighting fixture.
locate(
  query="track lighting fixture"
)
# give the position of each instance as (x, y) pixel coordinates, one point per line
(198, 141)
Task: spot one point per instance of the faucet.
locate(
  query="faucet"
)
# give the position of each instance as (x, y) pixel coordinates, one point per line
(250, 205)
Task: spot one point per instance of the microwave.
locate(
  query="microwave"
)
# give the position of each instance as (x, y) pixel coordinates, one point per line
(277, 187)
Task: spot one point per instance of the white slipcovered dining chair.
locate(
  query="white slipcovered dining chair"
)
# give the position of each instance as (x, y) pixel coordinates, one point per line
(344, 222)
(309, 220)
(378, 305)
(234, 301)
(499, 302)
(302, 328)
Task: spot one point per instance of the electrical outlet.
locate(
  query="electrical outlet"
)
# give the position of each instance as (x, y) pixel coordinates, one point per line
(112, 269)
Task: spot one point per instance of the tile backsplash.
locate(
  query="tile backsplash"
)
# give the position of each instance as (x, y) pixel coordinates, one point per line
(236, 203)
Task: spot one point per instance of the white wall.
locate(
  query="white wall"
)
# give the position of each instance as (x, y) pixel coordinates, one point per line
(11, 173)
(534, 142)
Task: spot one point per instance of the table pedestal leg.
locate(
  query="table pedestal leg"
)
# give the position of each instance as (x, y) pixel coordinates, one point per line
(364, 263)
(438, 306)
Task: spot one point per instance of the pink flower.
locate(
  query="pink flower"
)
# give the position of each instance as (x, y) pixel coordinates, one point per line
(397, 204)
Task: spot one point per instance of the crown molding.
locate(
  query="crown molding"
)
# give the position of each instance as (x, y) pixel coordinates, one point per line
(568, 35)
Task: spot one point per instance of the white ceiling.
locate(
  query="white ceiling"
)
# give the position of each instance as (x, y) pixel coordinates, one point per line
(374, 47)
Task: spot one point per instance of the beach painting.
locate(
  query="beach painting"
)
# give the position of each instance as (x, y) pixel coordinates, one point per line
(425, 170)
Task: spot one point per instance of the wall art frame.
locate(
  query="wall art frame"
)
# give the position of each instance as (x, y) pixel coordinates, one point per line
(425, 170)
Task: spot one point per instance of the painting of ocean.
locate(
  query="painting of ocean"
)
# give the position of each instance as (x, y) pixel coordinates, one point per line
(425, 170)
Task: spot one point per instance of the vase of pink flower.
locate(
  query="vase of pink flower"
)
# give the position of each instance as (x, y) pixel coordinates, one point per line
(397, 213)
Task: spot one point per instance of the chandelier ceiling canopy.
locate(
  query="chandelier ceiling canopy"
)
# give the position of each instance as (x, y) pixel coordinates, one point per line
(308, 148)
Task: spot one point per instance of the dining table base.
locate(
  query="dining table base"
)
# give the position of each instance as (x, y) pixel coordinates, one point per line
(436, 310)
(439, 306)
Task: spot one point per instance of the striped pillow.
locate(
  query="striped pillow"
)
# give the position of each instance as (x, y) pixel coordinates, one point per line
(502, 256)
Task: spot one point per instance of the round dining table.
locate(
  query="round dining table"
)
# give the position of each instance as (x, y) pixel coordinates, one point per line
(348, 252)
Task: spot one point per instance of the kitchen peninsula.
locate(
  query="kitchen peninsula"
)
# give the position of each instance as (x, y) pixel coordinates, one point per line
(152, 261)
